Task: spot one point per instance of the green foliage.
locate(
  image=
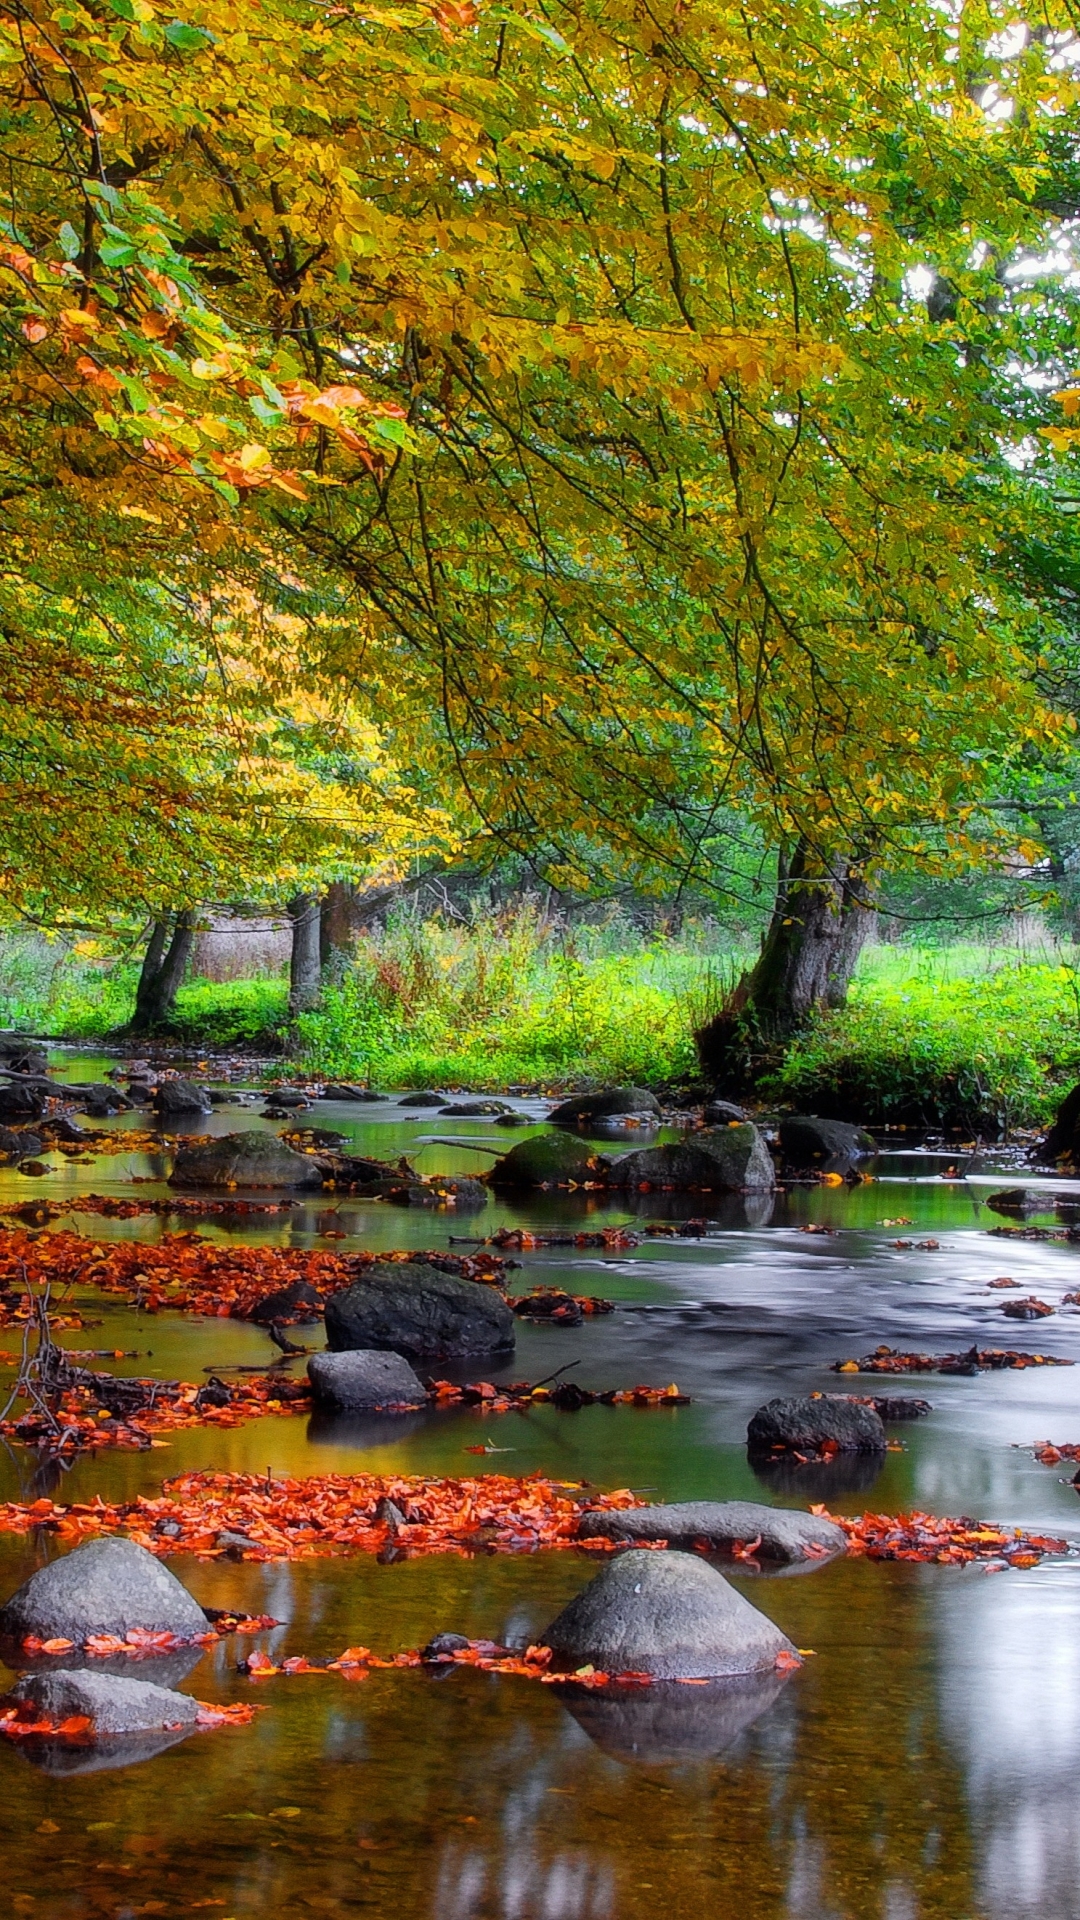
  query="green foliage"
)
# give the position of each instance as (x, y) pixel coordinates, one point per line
(504, 1001)
(953, 1037)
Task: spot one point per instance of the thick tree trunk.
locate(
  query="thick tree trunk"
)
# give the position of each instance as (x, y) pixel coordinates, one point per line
(337, 923)
(163, 969)
(305, 973)
(820, 921)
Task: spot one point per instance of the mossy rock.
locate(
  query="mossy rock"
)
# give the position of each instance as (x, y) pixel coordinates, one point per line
(549, 1160)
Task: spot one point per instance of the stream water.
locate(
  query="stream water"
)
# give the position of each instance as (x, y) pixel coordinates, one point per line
(922, 1765)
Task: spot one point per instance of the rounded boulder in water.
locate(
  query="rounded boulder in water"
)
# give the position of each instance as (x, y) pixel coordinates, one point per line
(823, 1420)
(112, 1705)
(781, 1533)
(408, 1308)
(106, 1586)
(251, 1159)
(609, 1104)
(364, 1380)
(670, 1615)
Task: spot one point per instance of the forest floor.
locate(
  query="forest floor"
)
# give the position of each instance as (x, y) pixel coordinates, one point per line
(931, 1035)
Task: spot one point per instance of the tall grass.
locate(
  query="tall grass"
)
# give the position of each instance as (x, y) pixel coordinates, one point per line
(507, 998)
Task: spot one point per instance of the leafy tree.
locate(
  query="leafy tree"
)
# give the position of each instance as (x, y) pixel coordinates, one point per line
(577, 351)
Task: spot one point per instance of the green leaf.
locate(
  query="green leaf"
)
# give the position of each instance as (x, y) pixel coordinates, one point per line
(187, 39)
(116, 253)
(69, 240)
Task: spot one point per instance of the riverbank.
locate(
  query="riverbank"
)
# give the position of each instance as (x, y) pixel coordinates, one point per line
(955, 1036)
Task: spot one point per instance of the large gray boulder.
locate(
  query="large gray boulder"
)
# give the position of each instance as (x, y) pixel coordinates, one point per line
(782, 1533)
(549, 1160)
(106, 1586)
(823, 1421)
(113, 1706)
(667, 1614)
(180, 1096)
(810, 1145)
(251, 1159)
(718, 1160)
(362, 1381)
(415, 1310)
(611, 1103)
(345, 1090)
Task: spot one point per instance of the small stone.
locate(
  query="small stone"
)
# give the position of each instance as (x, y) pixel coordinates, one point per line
(781, 1533)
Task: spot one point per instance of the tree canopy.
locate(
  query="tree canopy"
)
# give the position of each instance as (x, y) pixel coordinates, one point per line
(633, 382)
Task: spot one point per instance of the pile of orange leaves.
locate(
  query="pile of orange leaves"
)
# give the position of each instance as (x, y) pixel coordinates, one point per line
(486, 1655)
(80, 1424)
(330, 1514)
(975, 1360)
(1051, 1455)
(140, 1643)
(189, 1275)
(947, 1542)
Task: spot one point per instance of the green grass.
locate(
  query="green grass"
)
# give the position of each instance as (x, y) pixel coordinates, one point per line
(952, 1036)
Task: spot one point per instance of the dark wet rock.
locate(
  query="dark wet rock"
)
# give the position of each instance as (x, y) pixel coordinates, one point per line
(19, 1102)
(781, 1533)
(297, 1305)
(289, 1097)
(421, 1100)
(821, 1421)
(721, 1113)
(380, 1176)
(668, 1614)
(548, 1160)
(516, 1120)
(235, 1545)
(581, 1108)
(462, 1192)
(727, 1212)
(1017, 1203)
(1029, 1309)
(360, 1381)
(721, 1159)
(441, 1645)
(105, 1586)
(99, 1100)
(417, 1311)
(112, 1705)
(60, 1126)
(895, 1406)
(808, 1144)
(251, 1159)
(344, 1090)
(476, 1109)
(17, 1057)
(36, 1169)
(19, 1143)
(1062, 1143)
(180, 1096)
(667, 1723)
(320, 1137)
(273, 1112)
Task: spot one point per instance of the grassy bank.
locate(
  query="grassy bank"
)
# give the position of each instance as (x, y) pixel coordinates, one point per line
(948, 1035)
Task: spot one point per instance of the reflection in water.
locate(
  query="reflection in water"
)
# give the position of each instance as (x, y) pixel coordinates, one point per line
(673, 1722)
(922, 1764)
(804, 1483)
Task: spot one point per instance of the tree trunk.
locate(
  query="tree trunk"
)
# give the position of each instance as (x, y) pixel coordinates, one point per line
(820, 921)
(163, 969)
(337, 923)
(305, 973)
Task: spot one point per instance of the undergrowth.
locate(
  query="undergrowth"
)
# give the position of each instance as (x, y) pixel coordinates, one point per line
(952, 1037)
(958, 1036)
